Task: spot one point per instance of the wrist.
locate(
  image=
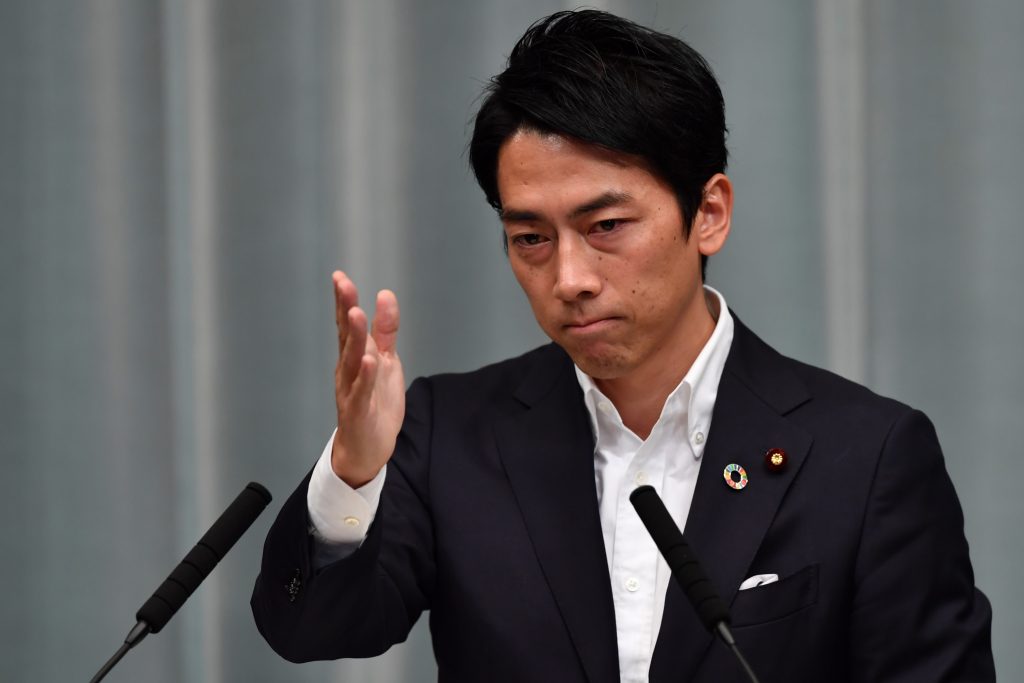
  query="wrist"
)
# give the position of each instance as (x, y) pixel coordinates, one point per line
(348, 471)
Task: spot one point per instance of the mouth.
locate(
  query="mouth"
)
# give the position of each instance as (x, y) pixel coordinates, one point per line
(590, 326)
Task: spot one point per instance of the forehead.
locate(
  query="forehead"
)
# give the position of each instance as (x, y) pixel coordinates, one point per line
(534, 166)
(528, 145)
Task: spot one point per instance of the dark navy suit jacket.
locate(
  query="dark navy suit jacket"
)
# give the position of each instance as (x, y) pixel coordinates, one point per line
(489, 520)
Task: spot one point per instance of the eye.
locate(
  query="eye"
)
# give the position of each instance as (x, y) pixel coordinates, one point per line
(608, 225)
(530, 239)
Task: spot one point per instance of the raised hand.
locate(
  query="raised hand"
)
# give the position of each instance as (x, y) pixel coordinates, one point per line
(369, 387)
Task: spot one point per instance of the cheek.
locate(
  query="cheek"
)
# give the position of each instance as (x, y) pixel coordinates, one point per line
(658, 285)
(524, 273)
(531, 280)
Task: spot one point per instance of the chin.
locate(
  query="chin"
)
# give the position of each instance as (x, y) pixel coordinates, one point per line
(610, 364)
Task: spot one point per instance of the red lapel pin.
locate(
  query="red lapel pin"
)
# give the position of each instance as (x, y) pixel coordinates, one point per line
(775, 459)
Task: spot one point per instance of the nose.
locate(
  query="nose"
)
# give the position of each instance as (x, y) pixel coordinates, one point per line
(577, 277)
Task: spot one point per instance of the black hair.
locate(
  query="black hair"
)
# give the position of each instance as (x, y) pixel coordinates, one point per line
(606, 81)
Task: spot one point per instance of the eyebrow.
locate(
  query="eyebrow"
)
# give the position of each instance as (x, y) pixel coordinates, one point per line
(602, 201)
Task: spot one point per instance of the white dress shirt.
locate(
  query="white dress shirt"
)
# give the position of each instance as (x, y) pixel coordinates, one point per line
(668, 460)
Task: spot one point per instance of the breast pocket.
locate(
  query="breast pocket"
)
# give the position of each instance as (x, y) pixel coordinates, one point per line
(776, 600)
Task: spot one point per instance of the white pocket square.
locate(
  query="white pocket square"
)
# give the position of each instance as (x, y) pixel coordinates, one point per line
(758, 580)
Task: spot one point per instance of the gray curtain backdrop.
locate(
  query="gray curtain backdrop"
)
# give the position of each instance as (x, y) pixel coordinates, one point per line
(178, 179)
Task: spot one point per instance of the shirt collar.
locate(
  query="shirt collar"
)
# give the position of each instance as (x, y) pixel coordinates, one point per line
(693, 399)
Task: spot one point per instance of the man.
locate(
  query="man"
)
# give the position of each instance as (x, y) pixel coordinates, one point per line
(498, 499)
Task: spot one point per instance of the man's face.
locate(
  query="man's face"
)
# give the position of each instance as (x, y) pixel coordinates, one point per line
(597, 243)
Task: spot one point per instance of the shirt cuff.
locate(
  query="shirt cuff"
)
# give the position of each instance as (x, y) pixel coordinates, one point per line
(339, 513)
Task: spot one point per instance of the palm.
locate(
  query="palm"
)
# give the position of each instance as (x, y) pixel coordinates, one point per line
(369, 385)
(385, 409)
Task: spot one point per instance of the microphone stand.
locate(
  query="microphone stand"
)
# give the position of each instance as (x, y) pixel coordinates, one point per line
(686, 570)
(192, 570)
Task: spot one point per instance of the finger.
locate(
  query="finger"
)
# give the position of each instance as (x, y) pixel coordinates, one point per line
(353, 348)
(385, 321)
(346, 296)
(362, 389)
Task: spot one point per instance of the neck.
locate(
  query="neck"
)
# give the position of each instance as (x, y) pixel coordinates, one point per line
(640, 395)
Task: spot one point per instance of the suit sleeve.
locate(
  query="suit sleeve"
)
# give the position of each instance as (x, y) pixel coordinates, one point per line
(917, 615)
(361, 605)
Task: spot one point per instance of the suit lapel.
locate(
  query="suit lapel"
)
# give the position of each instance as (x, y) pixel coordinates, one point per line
(548, 454)
(725, 527)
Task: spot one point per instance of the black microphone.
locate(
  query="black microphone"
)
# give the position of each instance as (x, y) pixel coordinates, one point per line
(689, 574)
(193, 569)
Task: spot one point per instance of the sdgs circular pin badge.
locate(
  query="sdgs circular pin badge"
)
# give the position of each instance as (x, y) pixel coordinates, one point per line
(735, 477)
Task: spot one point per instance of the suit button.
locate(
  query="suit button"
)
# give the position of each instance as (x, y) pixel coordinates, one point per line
(294, 586)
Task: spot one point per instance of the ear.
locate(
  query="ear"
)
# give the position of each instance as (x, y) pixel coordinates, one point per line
(714, 217)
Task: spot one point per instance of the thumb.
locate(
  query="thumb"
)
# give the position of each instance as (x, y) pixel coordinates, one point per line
(385, 321)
